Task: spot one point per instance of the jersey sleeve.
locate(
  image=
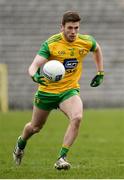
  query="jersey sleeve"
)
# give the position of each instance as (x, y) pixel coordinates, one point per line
(44, 50)
(93, 48)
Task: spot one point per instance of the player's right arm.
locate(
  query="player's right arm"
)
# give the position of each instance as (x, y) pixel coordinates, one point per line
(37, 62)
(33, 69)
(41, 57)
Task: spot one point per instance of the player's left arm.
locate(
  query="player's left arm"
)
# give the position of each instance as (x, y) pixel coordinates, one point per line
(98, 58)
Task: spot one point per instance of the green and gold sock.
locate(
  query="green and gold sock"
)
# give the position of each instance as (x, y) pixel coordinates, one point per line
(63, 152)
(21, 143)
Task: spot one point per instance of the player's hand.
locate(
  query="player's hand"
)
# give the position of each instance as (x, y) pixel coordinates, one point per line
(98, 79)
(39, 78)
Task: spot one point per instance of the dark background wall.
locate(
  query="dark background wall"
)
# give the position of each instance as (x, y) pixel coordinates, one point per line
(25, 24)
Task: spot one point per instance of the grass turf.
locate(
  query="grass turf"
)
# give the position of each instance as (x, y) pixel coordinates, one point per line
(97, 153)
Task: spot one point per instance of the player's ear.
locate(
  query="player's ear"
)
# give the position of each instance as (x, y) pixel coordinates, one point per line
(62, 27)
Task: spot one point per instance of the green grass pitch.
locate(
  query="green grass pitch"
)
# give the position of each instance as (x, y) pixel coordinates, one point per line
(98, 151)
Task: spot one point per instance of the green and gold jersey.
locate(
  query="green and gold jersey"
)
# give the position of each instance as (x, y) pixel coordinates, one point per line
(71, 55)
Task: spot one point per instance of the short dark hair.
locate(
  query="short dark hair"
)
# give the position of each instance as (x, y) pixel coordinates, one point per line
(70, 16)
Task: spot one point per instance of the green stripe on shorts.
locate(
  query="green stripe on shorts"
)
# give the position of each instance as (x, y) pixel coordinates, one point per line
(49, 101)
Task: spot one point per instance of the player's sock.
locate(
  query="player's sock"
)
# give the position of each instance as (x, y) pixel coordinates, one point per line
(21, 143)
(63, 152)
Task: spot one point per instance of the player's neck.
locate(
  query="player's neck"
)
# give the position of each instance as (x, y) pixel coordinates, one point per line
(65, 38)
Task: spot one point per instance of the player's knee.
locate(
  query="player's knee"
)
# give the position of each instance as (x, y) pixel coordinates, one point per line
(77, 120)
(36, 129)
(32, 129)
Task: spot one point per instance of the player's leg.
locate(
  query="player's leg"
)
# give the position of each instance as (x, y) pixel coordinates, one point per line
(73, 109)
(39, 117)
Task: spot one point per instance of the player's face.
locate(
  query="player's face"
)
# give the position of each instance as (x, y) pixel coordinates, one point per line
(70, 30)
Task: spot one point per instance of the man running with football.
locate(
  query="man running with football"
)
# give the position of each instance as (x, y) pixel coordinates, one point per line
(70, 48)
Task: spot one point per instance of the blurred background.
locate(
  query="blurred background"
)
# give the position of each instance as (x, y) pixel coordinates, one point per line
(25, 24)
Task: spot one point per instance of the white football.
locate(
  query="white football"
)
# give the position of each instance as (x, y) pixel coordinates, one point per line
(54, 70)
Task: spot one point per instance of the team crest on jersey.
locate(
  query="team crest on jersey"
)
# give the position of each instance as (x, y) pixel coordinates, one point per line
(82, 51)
